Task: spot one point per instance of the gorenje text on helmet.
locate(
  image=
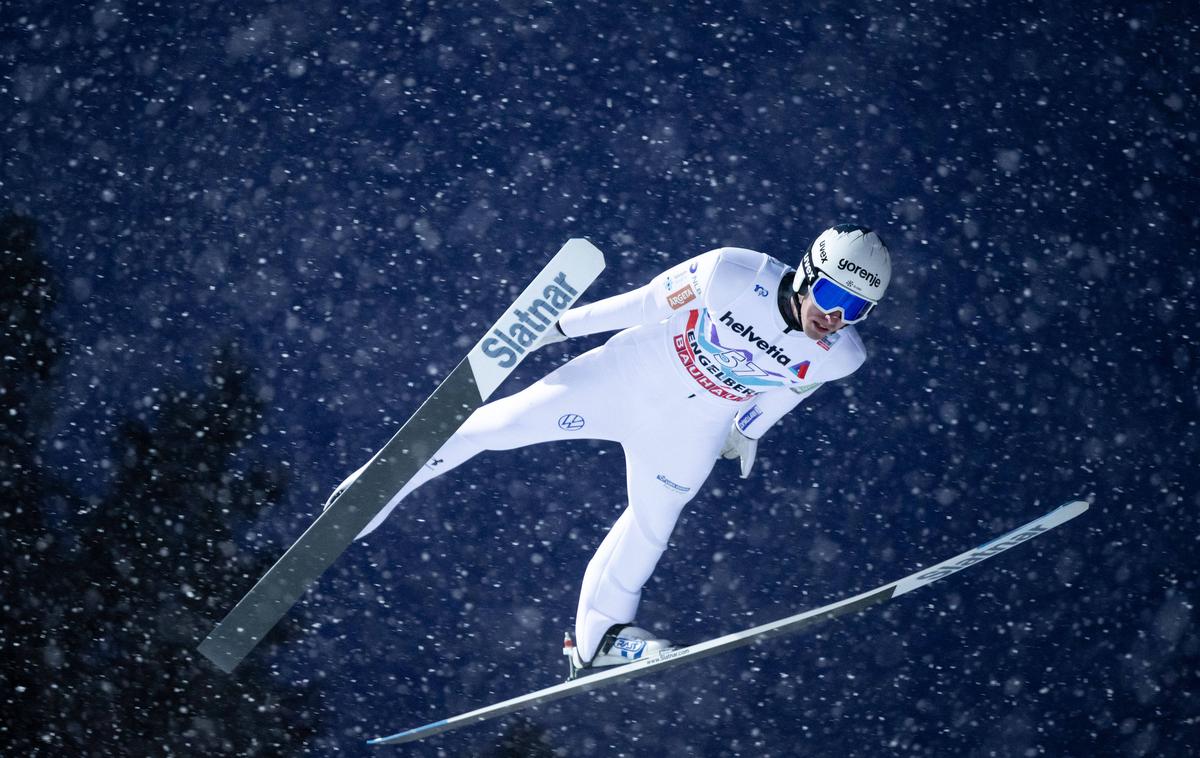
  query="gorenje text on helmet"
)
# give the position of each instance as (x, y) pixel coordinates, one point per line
(860, 271)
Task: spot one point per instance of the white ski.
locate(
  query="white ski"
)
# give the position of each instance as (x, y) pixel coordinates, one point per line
(607, 677)
(521, 329)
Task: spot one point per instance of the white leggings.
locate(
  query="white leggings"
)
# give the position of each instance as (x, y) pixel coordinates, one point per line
(671, 440)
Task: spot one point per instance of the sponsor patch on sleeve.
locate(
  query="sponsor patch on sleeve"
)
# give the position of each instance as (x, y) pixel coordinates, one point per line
(681, 298)
(748, 418)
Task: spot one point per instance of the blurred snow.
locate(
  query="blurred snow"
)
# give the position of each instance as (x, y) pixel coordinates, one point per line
(348, 194)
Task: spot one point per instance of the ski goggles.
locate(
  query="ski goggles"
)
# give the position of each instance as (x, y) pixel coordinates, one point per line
(830, 296)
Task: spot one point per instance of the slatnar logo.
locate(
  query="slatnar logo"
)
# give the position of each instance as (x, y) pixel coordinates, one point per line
(509, 341)
(986, 551)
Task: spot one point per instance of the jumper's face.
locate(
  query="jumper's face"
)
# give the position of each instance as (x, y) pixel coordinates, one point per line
(817, 323)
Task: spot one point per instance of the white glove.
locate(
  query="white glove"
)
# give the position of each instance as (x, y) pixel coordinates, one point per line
(738, 445)
(550, 336)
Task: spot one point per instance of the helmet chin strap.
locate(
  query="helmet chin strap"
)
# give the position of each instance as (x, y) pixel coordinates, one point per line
(789, 303)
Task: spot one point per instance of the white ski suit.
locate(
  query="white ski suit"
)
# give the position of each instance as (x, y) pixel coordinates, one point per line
(701, 347)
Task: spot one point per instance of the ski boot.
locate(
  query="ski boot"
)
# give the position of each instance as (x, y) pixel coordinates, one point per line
(345, 485)
(621, 644)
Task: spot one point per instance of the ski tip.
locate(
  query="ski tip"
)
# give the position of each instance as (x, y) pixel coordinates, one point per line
(1062, 513)
(584, 249)
(1074, 507)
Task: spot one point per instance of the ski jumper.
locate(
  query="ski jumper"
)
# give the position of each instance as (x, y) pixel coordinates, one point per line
(702, 346)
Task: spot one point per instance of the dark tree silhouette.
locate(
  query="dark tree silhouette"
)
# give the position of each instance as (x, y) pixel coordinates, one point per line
(523, 739)
(101, 623)
(27, 356)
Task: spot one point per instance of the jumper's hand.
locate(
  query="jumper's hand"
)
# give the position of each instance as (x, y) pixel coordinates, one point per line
(550, 336)
(738, 445)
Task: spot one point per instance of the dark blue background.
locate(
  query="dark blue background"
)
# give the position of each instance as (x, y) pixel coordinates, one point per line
(351, 192)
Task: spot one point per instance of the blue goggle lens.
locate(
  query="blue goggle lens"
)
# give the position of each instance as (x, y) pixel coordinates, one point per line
(829, 296)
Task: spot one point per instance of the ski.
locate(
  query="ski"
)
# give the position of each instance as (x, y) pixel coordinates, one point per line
(679, 656)
(521, 328)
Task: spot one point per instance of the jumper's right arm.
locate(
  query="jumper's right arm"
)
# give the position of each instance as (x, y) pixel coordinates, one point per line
(639, 306)
(670, 290)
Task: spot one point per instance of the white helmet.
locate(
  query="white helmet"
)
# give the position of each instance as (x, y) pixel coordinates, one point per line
(853, 257)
